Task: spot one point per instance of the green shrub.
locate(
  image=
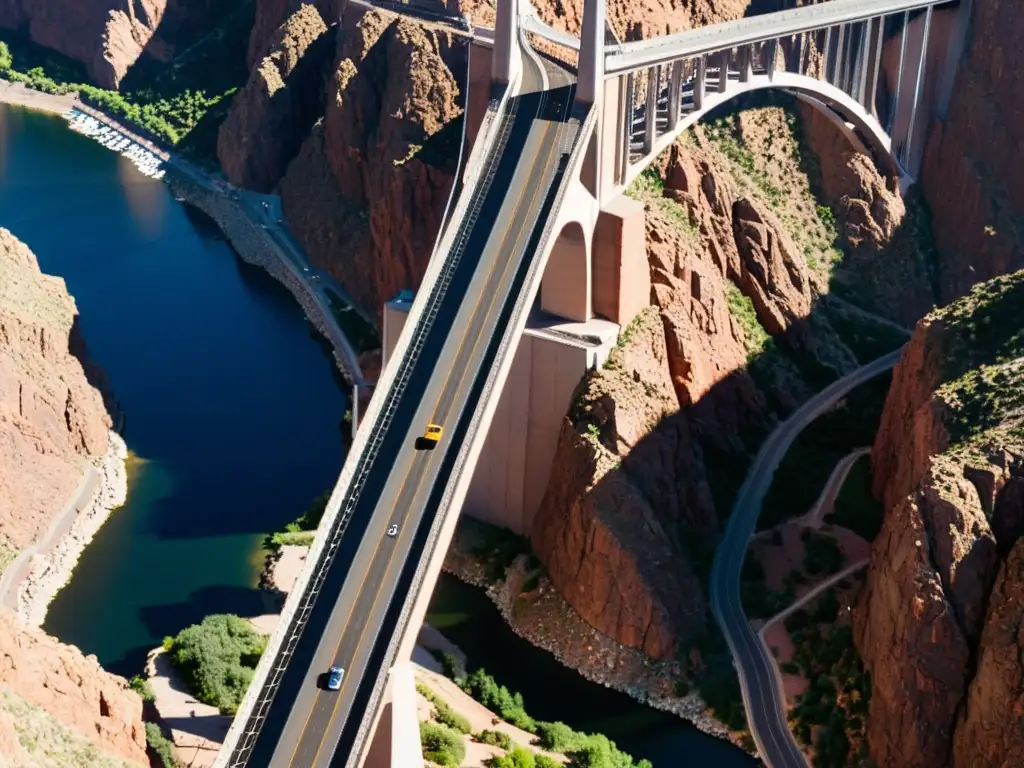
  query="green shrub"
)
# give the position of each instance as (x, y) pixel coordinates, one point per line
(495, 739)
(443, 712)
(543, 761)
(822, 554)
(856, 507)
(142, 687)
(217, 659)
(442, 745)
(558, 737)
(519, 757)
(497, 698)
(155, 739)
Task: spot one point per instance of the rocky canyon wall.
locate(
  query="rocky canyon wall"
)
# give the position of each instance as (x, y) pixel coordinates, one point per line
(971, 175)
(52, 421)
(109, 36)
(939, 624)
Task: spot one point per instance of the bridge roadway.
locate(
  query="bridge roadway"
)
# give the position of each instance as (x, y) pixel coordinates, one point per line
(371, 575)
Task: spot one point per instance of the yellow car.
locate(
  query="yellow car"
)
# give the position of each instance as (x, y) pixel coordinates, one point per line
(433, 433)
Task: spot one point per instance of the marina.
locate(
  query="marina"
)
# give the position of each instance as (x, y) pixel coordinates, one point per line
(146, 161)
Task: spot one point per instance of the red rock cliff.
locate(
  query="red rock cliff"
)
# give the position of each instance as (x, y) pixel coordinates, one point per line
(51, 419)
(972, 171)
(108, 36)
(939, 641)
(88, 711)
(367, 190)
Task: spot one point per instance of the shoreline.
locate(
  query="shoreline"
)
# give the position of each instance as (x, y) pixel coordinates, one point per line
(19, 95)
(543, 619)
(50, 571)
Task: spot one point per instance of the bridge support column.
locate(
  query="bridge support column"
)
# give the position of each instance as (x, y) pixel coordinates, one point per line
(590, 78)
(506, 44)
(622, 278)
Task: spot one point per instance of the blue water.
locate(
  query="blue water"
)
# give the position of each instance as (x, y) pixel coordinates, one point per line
(234, 416)
(231, 404)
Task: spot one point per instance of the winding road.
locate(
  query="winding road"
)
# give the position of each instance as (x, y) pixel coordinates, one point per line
(763, 698)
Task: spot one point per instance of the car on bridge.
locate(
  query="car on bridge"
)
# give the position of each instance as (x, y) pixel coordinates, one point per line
(433, 434)
(334, 678)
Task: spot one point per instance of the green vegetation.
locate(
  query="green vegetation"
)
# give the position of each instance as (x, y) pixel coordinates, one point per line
(442, 745)
(182, 103)
(160, 746)
(759, 602)
(742, 308)
(649, 188)
(519, 757)
(856, 508)
(360, 334)
(821, 552)
(217, 659)
(583, 750)
(840, 688)
(7, 555)
(300, 531)
(499, 548)
(495, 739)
(46, 740)
(807, 465)
(141, 686)
(443, 713)
(718, 684)
(867, 340)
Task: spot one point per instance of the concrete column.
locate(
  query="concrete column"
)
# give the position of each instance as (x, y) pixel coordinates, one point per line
(590, 77)
(918, 86)
(698, 82)
(506, 41)
(954, 53)
(675, 88)
(651, 110)
(723, 70)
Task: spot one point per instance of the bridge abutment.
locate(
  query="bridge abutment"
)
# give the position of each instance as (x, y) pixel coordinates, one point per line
(511, 475)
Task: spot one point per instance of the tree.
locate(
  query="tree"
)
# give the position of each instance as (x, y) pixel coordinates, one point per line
(6, 60)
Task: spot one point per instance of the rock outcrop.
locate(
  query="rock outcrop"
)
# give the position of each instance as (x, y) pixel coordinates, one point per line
(971, 174)
(52, 419)
(366, 193)
(272, 115)
(628, 522)
(109, 36)
(937, 625)
(73, 689)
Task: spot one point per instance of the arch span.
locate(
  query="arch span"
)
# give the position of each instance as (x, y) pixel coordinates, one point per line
(565, 289)
(833, 101)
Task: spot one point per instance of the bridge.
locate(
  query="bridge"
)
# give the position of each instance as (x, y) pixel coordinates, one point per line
(554, 153)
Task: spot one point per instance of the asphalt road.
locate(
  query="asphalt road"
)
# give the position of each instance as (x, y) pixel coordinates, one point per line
(371, 575)
(764, 701)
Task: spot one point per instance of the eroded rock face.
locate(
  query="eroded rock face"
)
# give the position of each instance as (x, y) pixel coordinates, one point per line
(109, 36)
(628, 519)
(991, 727)
(367, 190)
(51, 418)
(971, 172)
(271, 117)
(73, 688)
(938, 625)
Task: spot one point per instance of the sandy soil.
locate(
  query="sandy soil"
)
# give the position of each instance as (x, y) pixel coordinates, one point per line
(197, 729)
(480, 718)
(50, 568)
(779, 561)
(281, 576)
(16, 93)
(777, 639)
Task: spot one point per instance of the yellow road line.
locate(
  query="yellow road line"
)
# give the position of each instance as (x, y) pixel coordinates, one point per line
(458, 350)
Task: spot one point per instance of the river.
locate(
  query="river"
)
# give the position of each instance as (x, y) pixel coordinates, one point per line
(231, 406)
(233, 415)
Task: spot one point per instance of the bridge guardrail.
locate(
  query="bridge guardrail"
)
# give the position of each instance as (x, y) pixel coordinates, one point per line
(475, 435)
(255, 706)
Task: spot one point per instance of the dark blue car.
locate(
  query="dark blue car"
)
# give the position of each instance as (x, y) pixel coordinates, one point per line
(335, 677)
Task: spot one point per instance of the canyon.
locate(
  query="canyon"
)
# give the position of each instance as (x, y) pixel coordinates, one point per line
(56, 702)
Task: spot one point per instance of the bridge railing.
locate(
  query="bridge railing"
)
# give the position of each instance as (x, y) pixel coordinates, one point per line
(255, 707)
(834, 59)
(642, 54)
